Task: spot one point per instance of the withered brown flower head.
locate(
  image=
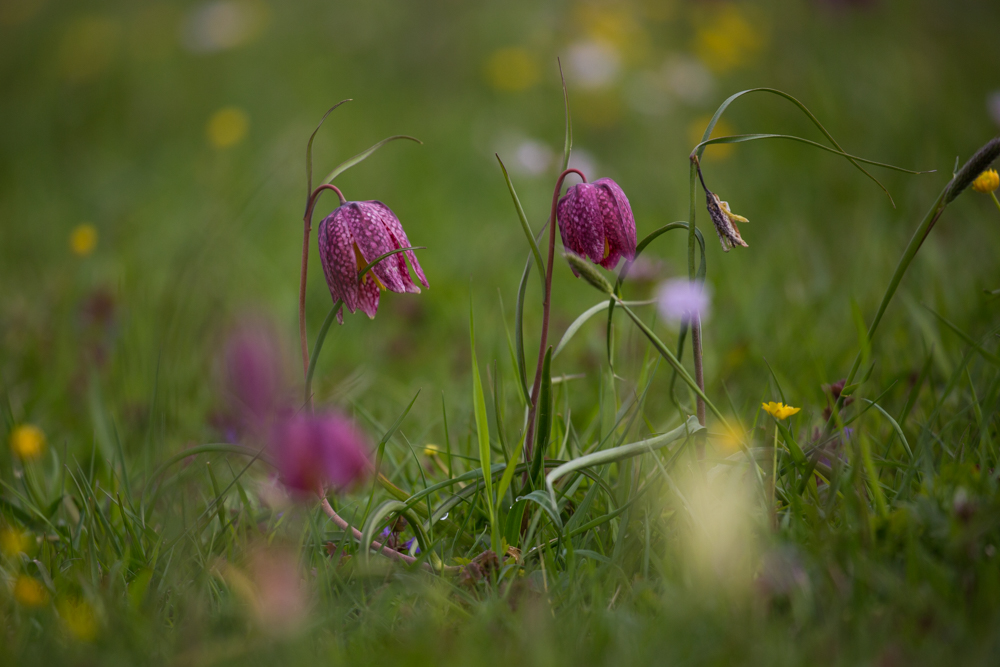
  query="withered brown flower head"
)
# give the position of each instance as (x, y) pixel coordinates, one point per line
(725, 222)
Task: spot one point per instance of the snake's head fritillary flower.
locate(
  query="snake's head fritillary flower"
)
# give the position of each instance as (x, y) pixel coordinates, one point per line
(353, 236)
(779, 411)
(725, 222)
(312, 451)
(680, 299)
(986, 182)
(595, 221)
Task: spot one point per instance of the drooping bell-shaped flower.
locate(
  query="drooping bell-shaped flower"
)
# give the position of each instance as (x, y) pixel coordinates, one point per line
(595, 221)
(350, 238)
(313, 451)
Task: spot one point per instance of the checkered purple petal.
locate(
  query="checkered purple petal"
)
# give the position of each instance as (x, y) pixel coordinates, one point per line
(395, 230)
(336, 252)
(580, 226)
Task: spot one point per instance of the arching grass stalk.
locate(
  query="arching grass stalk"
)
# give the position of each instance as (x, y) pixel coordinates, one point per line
(977, 164)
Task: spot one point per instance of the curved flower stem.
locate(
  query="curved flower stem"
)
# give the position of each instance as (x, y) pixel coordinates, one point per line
(995, 200)
(529, 437)
(699, 371)
(377, 546)
(307, 228)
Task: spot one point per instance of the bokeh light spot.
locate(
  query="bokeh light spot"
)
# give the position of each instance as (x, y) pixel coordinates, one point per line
(227, 127)
(728, 40)
(512, 69)
(83, 239)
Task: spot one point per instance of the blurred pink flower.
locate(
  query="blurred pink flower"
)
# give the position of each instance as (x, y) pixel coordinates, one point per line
(679, 299)
(595, 221)
(351, 237)
(312, 451)
(254, 372)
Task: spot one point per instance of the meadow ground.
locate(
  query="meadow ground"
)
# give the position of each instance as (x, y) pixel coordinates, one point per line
(152, 182)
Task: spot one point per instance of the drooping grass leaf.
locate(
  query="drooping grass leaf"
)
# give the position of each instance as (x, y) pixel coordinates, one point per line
(363, 155)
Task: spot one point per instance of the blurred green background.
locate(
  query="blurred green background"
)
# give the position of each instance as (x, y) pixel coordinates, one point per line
(177, 130)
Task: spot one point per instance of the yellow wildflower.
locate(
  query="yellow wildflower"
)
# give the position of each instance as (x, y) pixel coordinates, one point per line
(431, 450)
(14, 541)
(27, 442)
(79, 618)
(83, 239)
(30, 592)
(512, 69)
(227, 127)
(986, 182)
(779, 410)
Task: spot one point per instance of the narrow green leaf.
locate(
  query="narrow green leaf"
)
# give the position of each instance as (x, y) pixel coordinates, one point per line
(568, 137)
(895, 425)
(605, 456)
(522, 392)
(547, 503)
(525, 226)
(363, 155)
(587, 314)
(508, 473)
(983, 352)
(544, 416)
(522, 371)
(815, 121)
(482, 428)
(309, 148)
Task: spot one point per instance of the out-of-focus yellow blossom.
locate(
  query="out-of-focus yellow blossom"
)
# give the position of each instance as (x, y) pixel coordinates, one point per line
(14, 541)
(29, 591)
(727, 40)
(83, 239)
(79, 618)
(511, 69)
(27, 442)
(431, 450)
(616, 27)
(696, 130)
(227, 127)
(986, 182)
(88, 47)
(779, 410)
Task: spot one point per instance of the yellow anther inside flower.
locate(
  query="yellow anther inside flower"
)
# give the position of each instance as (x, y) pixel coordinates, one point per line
(986, 182)
(779, 410)
(607, 249)
(30, 592)
(27, 442)
(359, 258)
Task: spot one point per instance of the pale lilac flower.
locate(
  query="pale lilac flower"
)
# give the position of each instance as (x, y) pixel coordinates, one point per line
(680, 299)
(595, 221)
(314, 451)
(350, 238)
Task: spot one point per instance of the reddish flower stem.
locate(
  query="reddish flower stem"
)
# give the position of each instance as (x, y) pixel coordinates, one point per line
(376, 545)
(529, 436)
(307, 221)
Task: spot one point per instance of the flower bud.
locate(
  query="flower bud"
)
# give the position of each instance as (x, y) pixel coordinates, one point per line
(588, 272)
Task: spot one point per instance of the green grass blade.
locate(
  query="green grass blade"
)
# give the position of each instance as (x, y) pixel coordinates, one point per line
(568, 136)
(309, 149)
(967, 339)
(362, 156)
(815, 121)
(544, 429)
(525, 226)
(482, 430)
(573, 328)
(522, 370)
